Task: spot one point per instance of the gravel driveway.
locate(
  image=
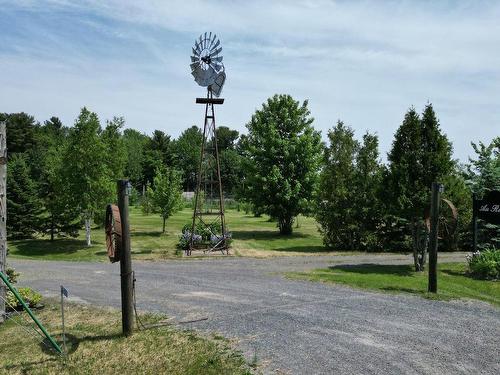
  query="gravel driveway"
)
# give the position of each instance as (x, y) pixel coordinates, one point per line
(297, 327)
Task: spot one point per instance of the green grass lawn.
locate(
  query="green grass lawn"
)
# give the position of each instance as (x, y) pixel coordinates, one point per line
(453, 283)
(253, 236)
(96, 346)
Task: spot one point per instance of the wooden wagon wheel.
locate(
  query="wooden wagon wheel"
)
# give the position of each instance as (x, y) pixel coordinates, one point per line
(113, 229)
(448, 220)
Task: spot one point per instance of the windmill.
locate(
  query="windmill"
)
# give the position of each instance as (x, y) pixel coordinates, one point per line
(208, 230)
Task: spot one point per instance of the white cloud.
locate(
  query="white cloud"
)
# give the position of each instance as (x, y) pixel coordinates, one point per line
(365, 62)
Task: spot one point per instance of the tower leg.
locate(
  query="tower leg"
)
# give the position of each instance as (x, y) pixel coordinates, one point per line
(210, 225)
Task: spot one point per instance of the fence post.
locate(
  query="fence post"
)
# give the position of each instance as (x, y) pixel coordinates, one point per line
(437, 188)
(3, 214)
(126, 274)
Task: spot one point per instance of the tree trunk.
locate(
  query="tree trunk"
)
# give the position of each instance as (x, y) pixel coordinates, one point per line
(87, 231)
(420, 243)
(52, 229)
(164, 219)
(286, 225)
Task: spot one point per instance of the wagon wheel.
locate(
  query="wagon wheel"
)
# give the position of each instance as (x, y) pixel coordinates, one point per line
(113, 229)
(448, 220)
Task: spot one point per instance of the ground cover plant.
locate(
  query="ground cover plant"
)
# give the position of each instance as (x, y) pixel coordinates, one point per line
(96, 346)
(252, 236)
(485, 264)
(453, 280)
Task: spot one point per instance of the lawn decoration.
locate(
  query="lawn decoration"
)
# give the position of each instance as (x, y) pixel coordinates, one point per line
(208, 215)
(447, 228)
(113, 228)
(448, 220)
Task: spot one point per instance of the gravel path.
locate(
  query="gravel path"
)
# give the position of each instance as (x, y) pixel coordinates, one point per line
(297, 327)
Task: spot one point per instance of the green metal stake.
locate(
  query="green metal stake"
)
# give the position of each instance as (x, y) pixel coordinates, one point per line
(20, 299)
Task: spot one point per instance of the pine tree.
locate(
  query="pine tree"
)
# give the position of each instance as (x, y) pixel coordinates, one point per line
(23, 205)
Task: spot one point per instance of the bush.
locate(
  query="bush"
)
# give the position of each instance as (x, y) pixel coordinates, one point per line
(202, 233)
(12, 275)
(485, 264)
(29, 296)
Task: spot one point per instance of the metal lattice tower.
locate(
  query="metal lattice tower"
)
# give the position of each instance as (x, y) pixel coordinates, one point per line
(208, 231)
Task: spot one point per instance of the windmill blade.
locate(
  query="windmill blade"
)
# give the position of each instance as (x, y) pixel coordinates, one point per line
(195, 52)
(209, 40)
(197, 48)
(215, 46)
(218, 59)
(205, 44)
(216, 52)
(217, 67)
(216, 87)
(212, 42)
(194, 59)
(194, 66)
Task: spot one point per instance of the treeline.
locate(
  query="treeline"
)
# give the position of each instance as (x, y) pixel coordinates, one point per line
(60, 178)
(359, 202)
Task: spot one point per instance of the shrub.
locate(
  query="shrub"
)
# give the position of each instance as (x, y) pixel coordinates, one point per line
(210, 233)
(485, 264)
(12, 275)
(185, 237)
(29, 296)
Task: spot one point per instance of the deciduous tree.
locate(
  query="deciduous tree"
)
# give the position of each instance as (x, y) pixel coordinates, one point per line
(284, 153)
(167, 192)
(86, 171)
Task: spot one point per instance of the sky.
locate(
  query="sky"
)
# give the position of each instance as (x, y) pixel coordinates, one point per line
(363, 62)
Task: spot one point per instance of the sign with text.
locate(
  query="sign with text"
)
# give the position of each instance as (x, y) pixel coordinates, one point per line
(488, 208)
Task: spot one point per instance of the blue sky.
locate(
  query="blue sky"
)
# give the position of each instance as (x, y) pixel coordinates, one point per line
(362, 62)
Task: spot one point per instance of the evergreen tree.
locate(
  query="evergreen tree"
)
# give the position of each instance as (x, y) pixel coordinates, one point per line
(20, 130)
(167, 193)
(61, 217)
(284, 153)
(336, 212)
(436, 149)
(23, 205)
(367, 193)
(420, 155)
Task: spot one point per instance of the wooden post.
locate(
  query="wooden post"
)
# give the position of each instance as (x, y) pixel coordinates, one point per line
(474, 222)
(3, 214)
(433, 241)
(126, 261)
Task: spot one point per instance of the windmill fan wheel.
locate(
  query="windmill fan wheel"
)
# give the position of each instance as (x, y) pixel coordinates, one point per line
(448, 220)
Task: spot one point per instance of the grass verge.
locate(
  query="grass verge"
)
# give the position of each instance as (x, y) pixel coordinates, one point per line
(453, 282)
(95, 346)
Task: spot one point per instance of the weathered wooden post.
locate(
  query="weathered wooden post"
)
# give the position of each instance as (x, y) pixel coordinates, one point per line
(437, 188)
(3, 214)
(475, 208)
(126, 275)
